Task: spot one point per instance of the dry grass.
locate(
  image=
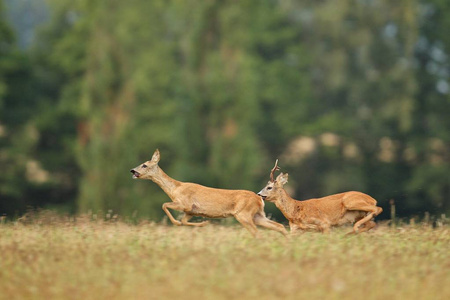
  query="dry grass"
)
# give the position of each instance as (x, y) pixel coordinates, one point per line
(95, 260)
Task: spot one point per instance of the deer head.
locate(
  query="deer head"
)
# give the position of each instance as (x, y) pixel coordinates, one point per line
(148, 169)
(271, 191)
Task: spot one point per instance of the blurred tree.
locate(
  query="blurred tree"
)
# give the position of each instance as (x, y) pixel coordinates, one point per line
(243, 66)
(186, 77)
(25, 16)
(429, 187)
(16, 138)
(349, 95)
(117, 60)
(21, 174)
(36, 134)
(363, 81)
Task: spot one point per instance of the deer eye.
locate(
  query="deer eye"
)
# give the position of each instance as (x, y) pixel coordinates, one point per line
(144, 166)
(269, 188)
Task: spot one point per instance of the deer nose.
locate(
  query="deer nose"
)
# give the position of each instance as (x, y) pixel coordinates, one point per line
(132, 171)
(262, 197)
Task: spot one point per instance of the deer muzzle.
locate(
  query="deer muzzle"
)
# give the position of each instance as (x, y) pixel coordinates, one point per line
(136, 174)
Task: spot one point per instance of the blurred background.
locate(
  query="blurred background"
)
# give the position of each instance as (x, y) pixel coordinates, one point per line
(349, 95)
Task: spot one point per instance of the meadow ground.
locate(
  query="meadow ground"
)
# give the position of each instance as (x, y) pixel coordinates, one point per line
(115, 260)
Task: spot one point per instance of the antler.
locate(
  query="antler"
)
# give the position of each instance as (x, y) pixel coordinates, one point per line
(275, 168)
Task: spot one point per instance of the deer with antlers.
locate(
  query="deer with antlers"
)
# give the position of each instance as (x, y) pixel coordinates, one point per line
(321, 213)
(197, 200)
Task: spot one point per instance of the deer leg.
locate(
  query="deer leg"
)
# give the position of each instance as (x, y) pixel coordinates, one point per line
(361, 205)
(261, 220)
(187, 217)
(315, 224)
(175, 206)
(367, 226)
(353, 231)
(380, 210)
(324, 227)
(372, 212)
(363, 220)
(364, 227)
(295, 229)
(248, 223)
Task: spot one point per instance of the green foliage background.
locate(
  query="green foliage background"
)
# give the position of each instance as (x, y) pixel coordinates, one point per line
(350, 95)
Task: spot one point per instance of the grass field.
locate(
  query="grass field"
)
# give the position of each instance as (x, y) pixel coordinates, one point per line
(115, 260)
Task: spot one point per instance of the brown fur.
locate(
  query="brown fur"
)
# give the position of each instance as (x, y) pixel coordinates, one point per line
(322, 213)
(197, 200)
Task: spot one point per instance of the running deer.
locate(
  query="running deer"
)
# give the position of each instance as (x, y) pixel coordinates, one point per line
(197, 200)
(321, 213)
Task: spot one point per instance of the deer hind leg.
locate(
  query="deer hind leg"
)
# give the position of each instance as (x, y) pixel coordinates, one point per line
(247, 221)
(261, 220)
(372, 212)
(363, 221)
(359, 204)
(187, 217)
(380, 210)
(367, 226)
(175, 206)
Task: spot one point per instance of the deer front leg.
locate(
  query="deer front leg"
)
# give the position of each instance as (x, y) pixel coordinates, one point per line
(296, 229)
(308, 225)
(187, 217)
(175, 206)
(323, 226)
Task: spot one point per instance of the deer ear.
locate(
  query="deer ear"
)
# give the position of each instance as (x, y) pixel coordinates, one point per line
(156, 156)
(282, 178)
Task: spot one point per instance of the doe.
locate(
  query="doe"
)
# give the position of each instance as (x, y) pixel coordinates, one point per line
(197, 200)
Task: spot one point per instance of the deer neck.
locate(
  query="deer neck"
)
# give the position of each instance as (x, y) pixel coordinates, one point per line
(165, 182)
(286, 205)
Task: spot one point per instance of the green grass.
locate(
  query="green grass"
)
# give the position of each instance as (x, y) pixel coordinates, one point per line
(97, 260)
